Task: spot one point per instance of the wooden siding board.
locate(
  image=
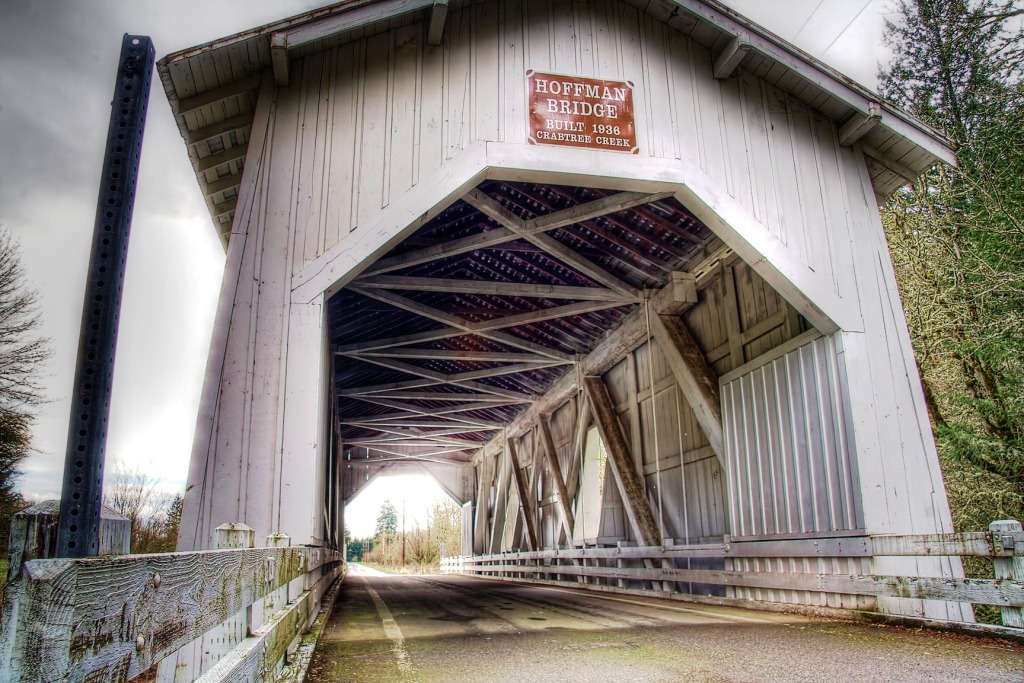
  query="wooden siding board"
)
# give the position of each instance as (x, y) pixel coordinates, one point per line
(564, 41)
(307, 161)
(404, 114)
(373, 128)
(431, 118)
(486, 64)
(458, 84)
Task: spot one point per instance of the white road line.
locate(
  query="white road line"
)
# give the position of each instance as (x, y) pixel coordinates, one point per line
(392, 631)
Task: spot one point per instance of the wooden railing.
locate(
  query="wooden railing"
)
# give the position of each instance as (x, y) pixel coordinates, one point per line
(655, 569)
(111, 618)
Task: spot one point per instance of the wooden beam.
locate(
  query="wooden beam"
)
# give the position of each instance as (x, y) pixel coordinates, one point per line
(903, 171)
(455, 354)
(609, 351)
(279, 58)
(731, 56)
(631, 486)
(407, 431)
(487, 329)
(860, 125)
(418, 456)
(215, 130)
(403, 420)
(483, 240)
(438, 14)
(243, 86)
(223, 157)
(378, 392)
(495, 211)
(222, 184)
(447, 410)
(412, 440)
(543, 314)
(490, 287)
(499, 236)
(613, 203)
(441, 378)
(525, 497)
(225, 208)
(551, 458)
(678, 295)
(695, 378)
(446, 332)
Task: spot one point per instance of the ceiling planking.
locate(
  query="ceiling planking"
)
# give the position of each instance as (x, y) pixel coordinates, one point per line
(449, 336)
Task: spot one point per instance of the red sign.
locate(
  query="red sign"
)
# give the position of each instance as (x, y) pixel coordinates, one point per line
(573, 111)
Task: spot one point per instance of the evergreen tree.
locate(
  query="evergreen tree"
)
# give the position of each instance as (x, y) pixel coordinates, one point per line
(387, 519)
(957, 239)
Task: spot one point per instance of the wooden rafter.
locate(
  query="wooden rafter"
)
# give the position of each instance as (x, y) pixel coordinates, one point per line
(499, 236)
(495, 211)
(405, 420)
(446, 431)
(456, 325)
(447, 410)
(420, 395)
(412, 440)
(491, 287)
(438, 378)
(414, 456)
(458, 355)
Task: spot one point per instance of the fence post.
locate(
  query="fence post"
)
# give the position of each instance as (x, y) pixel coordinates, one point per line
(33, 534)
(221, 639)
(280, 597)
(1008, 564)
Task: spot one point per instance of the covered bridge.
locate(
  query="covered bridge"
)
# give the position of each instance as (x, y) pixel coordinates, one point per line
(611, 271)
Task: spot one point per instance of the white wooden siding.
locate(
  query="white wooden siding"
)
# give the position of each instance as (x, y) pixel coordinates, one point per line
(382, 113)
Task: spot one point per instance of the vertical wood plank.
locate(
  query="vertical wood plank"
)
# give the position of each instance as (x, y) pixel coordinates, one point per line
(404, 116)
(373, 128)
(525, 495)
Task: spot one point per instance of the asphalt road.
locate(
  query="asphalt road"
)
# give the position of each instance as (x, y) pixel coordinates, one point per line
(456, 629)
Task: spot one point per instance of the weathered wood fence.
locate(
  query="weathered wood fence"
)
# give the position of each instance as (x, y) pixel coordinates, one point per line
(110, 618)
(655, 569)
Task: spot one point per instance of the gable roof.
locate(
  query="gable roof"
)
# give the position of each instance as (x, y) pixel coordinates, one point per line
(213, 88)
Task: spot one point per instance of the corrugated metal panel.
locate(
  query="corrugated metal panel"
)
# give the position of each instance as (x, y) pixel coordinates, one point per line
(788, 446)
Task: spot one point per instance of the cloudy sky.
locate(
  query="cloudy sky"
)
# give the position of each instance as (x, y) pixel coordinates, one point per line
(57, 64)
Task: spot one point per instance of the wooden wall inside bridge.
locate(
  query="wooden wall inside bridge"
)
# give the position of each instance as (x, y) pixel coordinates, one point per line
(374, 136)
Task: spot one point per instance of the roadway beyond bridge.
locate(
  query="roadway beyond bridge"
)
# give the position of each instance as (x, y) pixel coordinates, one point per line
(457, 628)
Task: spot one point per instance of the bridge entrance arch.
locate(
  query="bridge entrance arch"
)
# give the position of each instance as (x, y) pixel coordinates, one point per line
(424, 270)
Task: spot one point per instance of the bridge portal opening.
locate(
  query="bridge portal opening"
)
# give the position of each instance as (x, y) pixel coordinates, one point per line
(463, 351)
(403, 519)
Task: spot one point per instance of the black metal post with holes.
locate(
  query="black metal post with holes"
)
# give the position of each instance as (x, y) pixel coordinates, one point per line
(82, 494)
